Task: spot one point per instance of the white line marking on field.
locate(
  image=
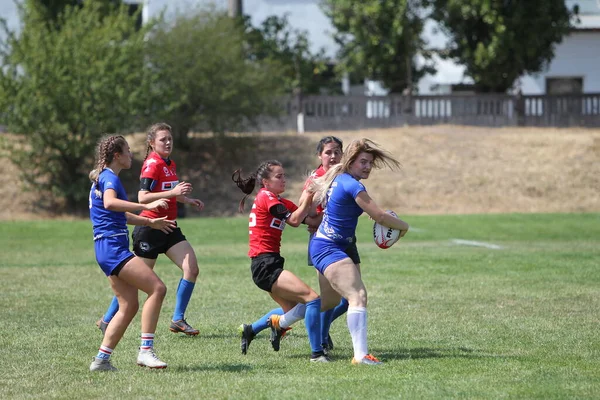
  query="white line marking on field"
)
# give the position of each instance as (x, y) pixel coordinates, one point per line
(411, 229)
(478, 244)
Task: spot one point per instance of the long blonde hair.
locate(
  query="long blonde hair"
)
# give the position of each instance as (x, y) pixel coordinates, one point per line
(381, 158)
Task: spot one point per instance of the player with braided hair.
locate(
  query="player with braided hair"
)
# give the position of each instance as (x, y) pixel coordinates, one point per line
(110, 212)
(269, 215)
(158, 180)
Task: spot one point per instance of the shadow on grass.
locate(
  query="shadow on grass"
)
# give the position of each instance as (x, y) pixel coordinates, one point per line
(221, 368)
(345, 352)
(430, 352)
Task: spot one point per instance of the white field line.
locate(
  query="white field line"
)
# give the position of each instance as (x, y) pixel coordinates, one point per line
(477, 244)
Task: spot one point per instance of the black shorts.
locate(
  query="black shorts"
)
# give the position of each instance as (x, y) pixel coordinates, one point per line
(149, 243)
(266, 269)
(351, 251)
(119, 267)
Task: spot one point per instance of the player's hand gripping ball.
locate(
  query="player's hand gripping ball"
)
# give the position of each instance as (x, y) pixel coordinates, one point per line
(383, 236)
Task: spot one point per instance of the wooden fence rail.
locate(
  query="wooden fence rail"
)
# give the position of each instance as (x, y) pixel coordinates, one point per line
(321, 113)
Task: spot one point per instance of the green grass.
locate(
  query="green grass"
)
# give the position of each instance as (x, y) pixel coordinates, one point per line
(448, 320)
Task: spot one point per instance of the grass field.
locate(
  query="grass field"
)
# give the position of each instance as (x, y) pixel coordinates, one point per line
(449, 320)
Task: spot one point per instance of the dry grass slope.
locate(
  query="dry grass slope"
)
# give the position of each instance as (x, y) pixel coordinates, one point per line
(446, 170)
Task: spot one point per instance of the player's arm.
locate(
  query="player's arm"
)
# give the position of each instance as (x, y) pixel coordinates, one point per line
(146, 195)
(295, 218)
(113, 203)
(369, 206)
(199, 204)
(162, 223)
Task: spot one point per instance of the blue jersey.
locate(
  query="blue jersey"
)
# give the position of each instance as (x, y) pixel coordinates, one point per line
(341, 211)
(107, 223)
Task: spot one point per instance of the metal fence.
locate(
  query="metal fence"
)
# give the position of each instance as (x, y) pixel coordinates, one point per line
(321, 113)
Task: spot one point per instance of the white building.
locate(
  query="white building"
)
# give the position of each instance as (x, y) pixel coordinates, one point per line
(575, 68)
(576, 65)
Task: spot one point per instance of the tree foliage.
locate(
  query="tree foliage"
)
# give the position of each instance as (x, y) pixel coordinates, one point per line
(204, 79)
(277, 42)
(379, 39)
(62, 85)
(52, 9)
(500, 40)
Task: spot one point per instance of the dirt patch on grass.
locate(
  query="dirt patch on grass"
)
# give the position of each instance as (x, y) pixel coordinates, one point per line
(446, 170)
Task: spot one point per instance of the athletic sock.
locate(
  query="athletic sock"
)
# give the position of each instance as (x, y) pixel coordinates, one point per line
(261, 324)
(326, 319)
(147, 341)
(292, 316)
(312, 321)
(184, 293)
(112, 310)
(104, 353)
(340, 309)
(357, 324)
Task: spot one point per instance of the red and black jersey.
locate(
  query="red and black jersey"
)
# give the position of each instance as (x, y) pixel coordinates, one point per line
(264, 229)
(164, 177)
(317, 173)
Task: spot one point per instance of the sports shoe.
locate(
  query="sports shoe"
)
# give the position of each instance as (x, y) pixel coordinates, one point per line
(327, 346)
(320, 359)
(100, 364)
(247, 334)
(276, 332)
(367, 360)
(329, 342)
(147, 358)
(182, 326)
(102, 326)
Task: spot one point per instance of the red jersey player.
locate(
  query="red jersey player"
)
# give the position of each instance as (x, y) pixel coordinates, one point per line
(269, 215)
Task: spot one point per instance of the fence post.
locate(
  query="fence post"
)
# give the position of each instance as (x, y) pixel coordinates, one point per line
(300, 111)
(407, 106)
(520, 108)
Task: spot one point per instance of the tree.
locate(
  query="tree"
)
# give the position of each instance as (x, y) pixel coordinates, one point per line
(379, 40)
(276, 41)
(204, 80)
(500, 40)
(61, 88)
(51, 9)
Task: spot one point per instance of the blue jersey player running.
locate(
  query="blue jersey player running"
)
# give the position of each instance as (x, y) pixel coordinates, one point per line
(346, 198)
(110, 212)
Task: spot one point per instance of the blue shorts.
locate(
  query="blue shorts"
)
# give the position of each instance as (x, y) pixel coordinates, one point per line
(112, 252)
(351, 251)
(325, 252)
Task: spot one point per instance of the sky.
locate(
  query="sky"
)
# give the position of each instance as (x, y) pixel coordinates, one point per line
(302, 14)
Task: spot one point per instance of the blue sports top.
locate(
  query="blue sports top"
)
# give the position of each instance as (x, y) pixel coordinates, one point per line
(341, 211)
(105, 222)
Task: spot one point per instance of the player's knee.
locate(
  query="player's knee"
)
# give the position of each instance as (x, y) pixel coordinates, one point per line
(191, 271)
(129, 308)
(310, 296)
(160, 290)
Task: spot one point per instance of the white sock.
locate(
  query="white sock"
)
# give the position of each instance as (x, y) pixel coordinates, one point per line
(292, 316)
(357, 324)
(147, 341)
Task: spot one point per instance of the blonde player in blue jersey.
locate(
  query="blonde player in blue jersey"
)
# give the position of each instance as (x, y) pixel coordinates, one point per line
(346, 199)
(110, 212)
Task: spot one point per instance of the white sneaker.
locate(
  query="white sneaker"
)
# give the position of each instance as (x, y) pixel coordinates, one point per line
(147, 358)
(100, 364)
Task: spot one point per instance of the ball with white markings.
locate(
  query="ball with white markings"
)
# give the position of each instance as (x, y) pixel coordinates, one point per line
(383, 236)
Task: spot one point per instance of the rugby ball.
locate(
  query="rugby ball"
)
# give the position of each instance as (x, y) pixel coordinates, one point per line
(383, 236)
